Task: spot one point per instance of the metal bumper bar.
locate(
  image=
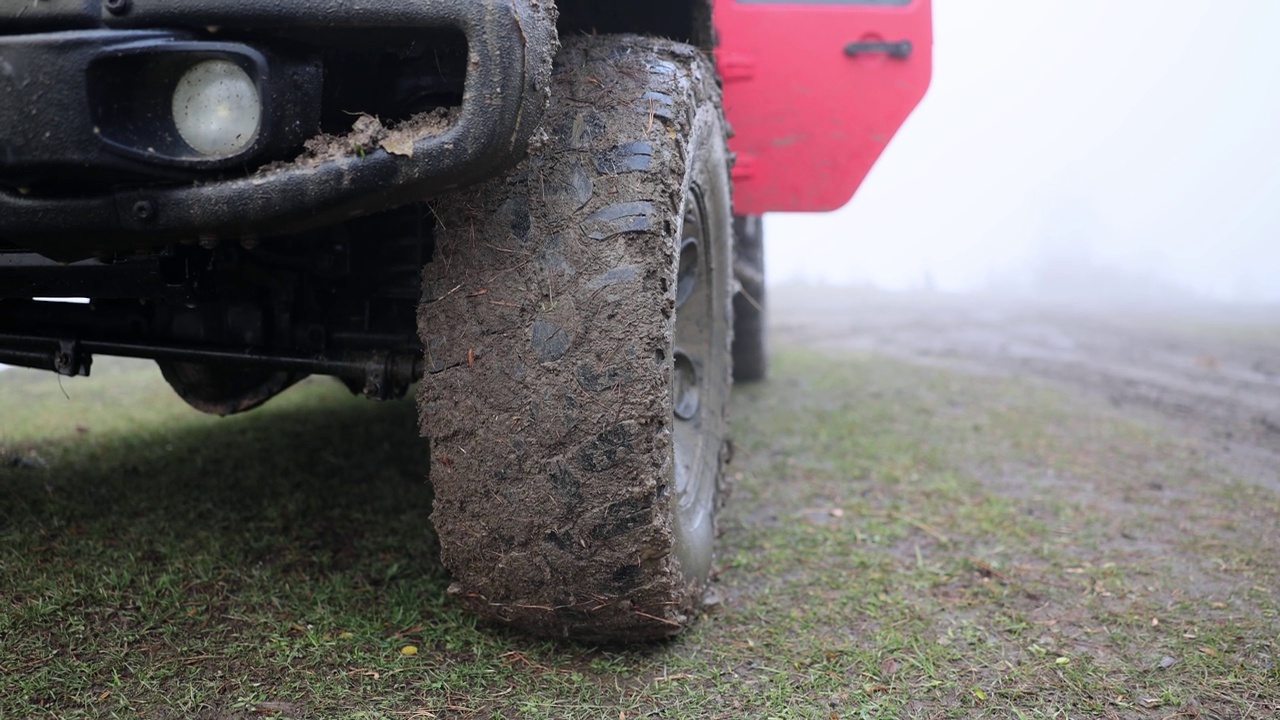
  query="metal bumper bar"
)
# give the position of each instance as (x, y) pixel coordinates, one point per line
(510, 45)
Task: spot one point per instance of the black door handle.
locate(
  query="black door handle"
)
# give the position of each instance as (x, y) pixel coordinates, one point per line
(900, 50)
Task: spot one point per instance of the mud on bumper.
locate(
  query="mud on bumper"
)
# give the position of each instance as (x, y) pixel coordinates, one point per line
(47, 59)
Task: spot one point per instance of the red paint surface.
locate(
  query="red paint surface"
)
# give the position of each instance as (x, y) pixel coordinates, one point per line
(809, 121)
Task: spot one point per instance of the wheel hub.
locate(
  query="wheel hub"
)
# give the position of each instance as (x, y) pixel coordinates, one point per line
(696, 462)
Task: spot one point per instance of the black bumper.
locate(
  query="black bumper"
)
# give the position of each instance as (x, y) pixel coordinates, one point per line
(510, 44)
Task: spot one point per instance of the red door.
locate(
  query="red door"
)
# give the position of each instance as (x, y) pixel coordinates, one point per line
(814, 90)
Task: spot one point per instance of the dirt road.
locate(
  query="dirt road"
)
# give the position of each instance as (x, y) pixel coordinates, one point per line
(1211, 372)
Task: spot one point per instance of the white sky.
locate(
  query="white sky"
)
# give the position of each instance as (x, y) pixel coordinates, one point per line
(1141, 135)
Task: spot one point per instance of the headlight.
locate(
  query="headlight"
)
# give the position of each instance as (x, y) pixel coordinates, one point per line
(216, 108)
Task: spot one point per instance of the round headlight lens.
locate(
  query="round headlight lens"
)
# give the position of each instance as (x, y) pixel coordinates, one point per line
(216, 108)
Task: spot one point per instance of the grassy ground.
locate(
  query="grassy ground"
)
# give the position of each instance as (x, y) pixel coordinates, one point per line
(902, 542)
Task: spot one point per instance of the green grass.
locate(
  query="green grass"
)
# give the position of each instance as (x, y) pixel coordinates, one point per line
(902, 542)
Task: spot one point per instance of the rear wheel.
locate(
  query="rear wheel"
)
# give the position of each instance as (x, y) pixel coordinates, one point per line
(750, 346)
(577, 326)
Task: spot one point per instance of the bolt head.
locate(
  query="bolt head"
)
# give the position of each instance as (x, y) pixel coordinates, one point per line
(144, 210)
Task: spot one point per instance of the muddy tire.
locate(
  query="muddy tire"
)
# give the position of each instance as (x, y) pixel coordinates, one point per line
(577, 320)
(750, 340)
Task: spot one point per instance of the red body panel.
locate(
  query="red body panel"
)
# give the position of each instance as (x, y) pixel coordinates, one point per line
(810, 120)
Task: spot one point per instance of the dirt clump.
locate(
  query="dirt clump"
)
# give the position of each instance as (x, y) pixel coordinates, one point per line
(367, 135)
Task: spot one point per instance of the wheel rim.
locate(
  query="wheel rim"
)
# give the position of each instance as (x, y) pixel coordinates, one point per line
(696, 460)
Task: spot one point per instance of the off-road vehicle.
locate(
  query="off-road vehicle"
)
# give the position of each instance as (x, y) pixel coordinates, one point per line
(526, 206)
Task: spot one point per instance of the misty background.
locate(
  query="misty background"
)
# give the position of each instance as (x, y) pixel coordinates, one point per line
(1078, 148)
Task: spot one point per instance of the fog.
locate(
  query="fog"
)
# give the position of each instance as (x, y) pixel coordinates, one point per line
(1083, 148)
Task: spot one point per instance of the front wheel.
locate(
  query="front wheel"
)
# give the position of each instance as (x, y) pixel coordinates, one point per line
(577, 328)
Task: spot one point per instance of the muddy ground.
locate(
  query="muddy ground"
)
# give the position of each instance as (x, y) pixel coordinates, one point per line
(1208, 372)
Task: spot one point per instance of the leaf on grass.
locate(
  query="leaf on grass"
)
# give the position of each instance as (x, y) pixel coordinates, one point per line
(283, 709)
